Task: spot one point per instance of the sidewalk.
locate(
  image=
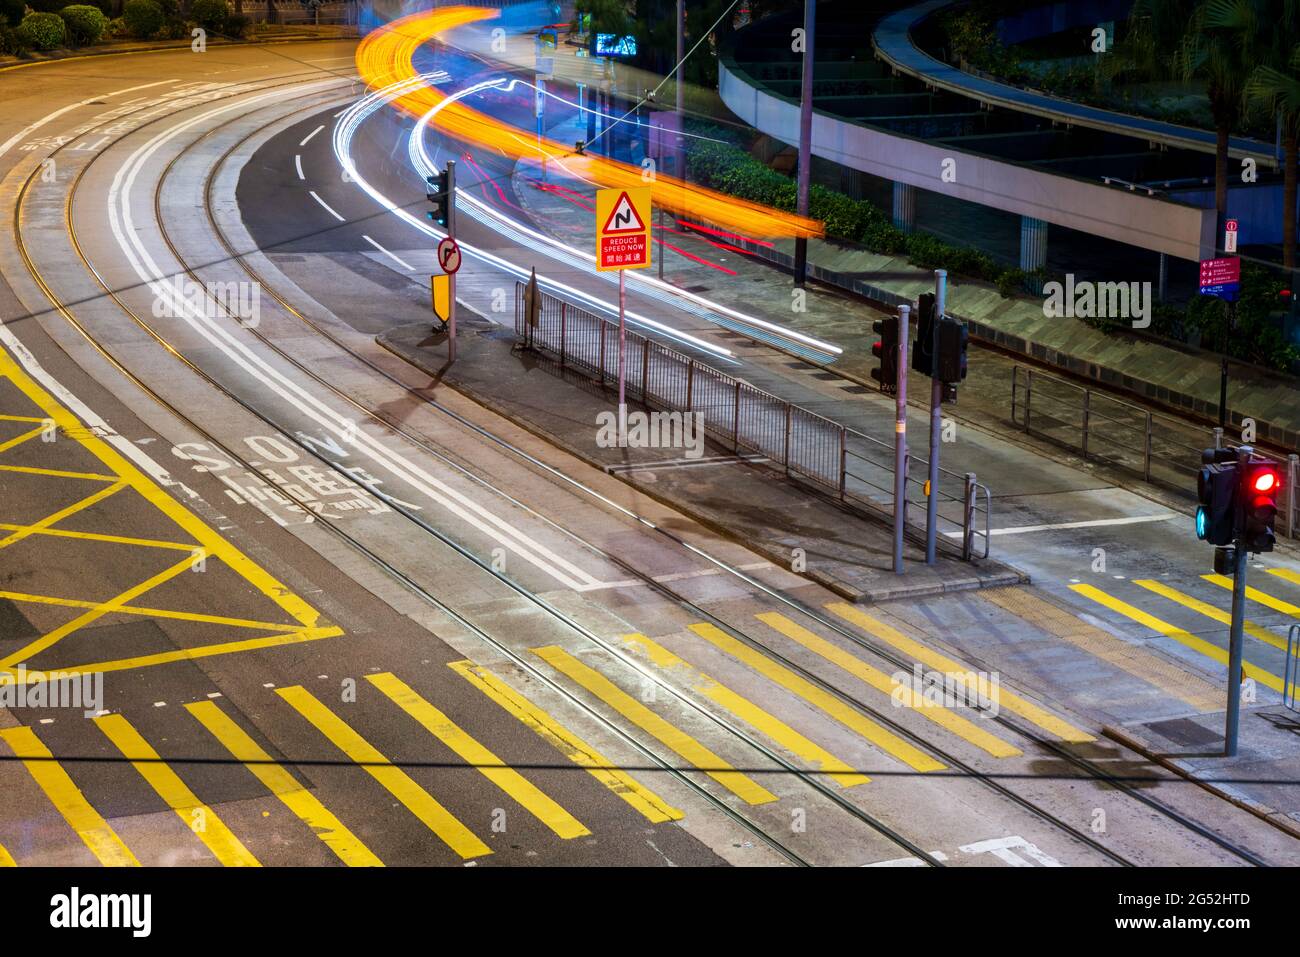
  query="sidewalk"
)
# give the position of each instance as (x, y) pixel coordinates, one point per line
(1182, 379)
(734, 495)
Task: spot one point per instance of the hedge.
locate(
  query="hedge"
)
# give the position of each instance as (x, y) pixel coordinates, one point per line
(85, 24)
(211, 15)
(12, 11)
(143, 18)
(42, 31)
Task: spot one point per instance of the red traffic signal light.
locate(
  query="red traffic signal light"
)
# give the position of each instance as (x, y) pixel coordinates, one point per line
(1261, 483)
(886, 350)
(1265, 480)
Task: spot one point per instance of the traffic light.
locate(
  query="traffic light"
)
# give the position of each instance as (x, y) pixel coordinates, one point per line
(1260, 482)
(923, 346)
(886, 350)
(440, 196)
(1216, 488)
(951, 360)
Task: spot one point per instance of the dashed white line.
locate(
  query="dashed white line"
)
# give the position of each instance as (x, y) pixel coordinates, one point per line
(326, 206)
(1096, 523)
(311, 134)
(397, 259)
(297, 164)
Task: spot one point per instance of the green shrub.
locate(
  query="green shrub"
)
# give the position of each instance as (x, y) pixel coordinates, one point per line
(86, 25)
(10, 44)
(12, 12)
(42, 31)
(211, 15)
(143, 18)
(117, 29)
(237, 25)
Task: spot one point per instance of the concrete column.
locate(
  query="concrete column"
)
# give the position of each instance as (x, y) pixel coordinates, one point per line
(905, 206)
(1164, 279)
(1033, 248)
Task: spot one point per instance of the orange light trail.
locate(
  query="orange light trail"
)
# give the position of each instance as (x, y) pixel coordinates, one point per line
(386, 57)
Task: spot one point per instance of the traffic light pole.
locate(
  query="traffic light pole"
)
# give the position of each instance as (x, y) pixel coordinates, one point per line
(805, 137)
(936, 420)
(1235, 650)
(451, 278)
(900, 438)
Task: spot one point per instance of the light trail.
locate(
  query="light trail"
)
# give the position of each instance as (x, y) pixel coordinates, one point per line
(385, 58)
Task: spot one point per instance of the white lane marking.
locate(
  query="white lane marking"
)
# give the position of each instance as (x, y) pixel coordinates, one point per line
(1096, 523)
(142, 86)
(326, 206)
(1002, 849)
(397, 259)
(909, 861)
(196, 315)
(297, 164)
(310, 135)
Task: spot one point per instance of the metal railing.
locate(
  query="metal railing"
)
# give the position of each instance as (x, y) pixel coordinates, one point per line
(849, 465)
(1161, 448)
(1288, 682)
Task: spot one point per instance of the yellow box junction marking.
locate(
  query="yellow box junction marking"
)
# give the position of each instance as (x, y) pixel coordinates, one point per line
(1208, 610)
(120, 475)
(677, 740)
(771, 726)
(6, 859)
(927, 656)
(1177, 634)
(196, 815)
(650, 805)
(850, 717)
(904, 693)
(1285, 574)
(393, 779)
(528, 795)
(68, 799)
(302, 803)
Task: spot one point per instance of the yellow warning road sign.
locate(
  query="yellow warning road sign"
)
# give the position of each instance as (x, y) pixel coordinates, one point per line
(441, 296)
(622, 229)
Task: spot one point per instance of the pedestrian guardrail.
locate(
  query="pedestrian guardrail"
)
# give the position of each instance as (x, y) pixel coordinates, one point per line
(1289, 671)
(854, 468)
(1162, 449)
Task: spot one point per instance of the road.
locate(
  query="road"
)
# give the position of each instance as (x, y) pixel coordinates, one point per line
(345, 616)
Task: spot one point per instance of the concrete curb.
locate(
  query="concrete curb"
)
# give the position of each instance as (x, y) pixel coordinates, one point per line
(780, 559)
(1260, 810)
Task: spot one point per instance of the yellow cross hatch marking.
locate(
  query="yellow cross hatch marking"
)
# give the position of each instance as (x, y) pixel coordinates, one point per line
(20, 439)
(303, 624)
(762, 721)
(677, 740)
(6, 859)
(68, 799)
(1254, 594)
(654, 808)
(477, 756)
(1208, 610)
(902, 693)
(393, 779)
(302, 803)
(1285, 574)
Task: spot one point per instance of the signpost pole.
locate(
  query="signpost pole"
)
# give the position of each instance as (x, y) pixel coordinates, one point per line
(451, 280)
(936, 420)
(900, 438)
(622, 361)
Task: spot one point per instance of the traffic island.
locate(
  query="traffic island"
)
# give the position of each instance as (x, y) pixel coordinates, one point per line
(735, 494)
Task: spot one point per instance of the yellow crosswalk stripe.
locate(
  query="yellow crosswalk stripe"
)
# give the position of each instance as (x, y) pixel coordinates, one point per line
(396, 781)
(1254, 594)
(6, 859)
(654, 808)
(301, 802)
(765, 723)
(905, 694)
(1208, 610)
(68, 799)
(1177, 634)
(679, 741)
(528, 795)
(927, 656)
(1285, 574)
(881, 737)
(200, 818)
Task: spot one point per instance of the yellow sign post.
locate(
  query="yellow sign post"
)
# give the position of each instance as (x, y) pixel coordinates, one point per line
(622, 242)
(441, 287)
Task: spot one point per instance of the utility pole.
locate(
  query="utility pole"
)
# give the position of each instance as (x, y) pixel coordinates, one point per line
(451, 279)
(900, 438)
(936, 420)
(805, 137)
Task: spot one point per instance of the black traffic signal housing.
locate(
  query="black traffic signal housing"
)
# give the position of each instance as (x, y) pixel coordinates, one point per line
(951, 359)
(439, 196)
(1216, 490)
(1257, 494)
(886, 351)
(923, 345)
